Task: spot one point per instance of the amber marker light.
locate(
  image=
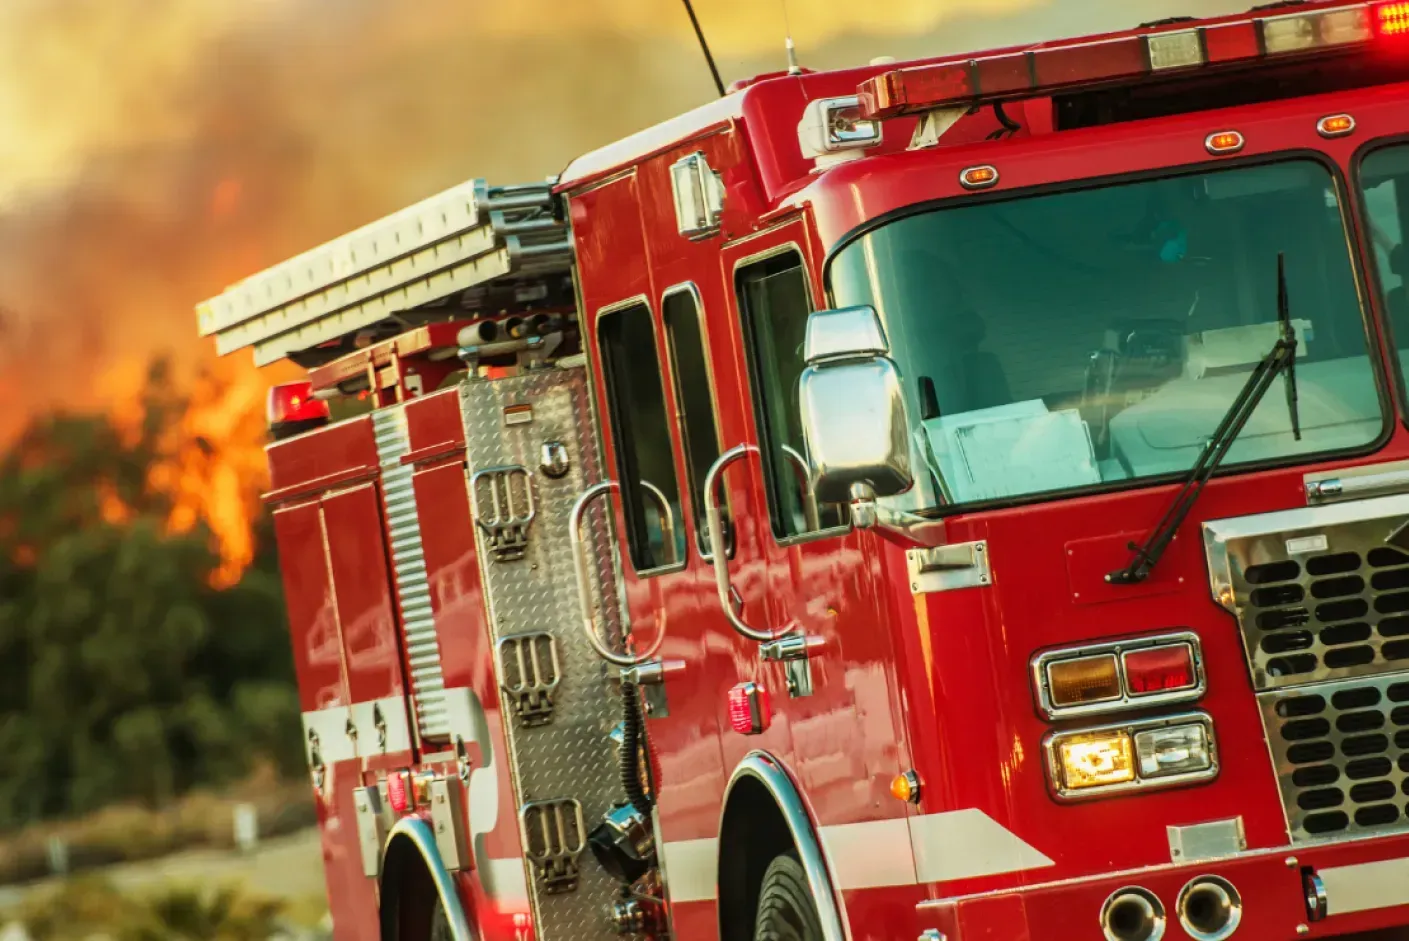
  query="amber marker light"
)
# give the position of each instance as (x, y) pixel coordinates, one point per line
(1083, 680)
(979, 178)
(1224, 143)
(906, 787)
(1336, 125)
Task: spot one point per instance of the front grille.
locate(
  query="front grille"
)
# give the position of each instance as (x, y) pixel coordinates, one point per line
(1318, 592)
(1309, 618)
(1341, 751)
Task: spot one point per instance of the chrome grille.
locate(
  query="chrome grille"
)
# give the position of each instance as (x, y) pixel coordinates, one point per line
(1318, 592)
(1341, 751)
(408, 563)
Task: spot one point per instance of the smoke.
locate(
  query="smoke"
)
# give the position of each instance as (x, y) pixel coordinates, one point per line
(154, 151)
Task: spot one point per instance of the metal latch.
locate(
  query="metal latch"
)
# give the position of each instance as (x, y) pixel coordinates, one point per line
(529, 672)
(946, 568)
(554, 836)
(793, 651)
(510, 509)
(448, 819)
(650, 678)
(371, 828)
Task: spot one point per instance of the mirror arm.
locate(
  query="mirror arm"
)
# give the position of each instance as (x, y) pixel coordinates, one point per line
(905, 529)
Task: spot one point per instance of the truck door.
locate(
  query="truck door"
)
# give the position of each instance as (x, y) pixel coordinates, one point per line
(817, 621)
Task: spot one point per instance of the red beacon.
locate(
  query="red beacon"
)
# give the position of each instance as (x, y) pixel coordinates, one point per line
(291, 409)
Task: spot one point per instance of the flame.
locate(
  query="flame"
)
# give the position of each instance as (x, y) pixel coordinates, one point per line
(216, 466)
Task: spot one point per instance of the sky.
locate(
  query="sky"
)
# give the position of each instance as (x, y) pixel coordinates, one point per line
(154, 151)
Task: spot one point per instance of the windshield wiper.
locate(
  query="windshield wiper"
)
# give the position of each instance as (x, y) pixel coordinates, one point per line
(1281, 359)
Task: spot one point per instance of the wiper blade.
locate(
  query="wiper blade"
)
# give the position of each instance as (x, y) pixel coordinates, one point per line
(1281, 359)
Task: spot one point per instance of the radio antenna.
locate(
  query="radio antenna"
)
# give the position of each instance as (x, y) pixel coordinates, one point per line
(704, 47)
(793, 67)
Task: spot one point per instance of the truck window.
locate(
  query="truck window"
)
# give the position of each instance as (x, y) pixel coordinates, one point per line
(694, 397)
(1384, 182)
(640, 433)
(775, 304)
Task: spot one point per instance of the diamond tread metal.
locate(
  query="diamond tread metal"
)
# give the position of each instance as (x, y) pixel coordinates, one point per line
(408, 564)
(570, 756)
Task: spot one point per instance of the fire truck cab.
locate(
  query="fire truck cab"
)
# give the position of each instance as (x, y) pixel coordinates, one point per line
(959, 499)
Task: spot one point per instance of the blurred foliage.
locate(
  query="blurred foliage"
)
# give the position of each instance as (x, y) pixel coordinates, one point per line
(123, 676)
(84, 908)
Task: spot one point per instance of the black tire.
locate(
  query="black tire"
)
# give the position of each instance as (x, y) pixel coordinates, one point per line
(440, 923)
(786, 910)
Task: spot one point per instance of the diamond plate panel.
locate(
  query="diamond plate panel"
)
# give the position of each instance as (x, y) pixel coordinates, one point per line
(570, 756)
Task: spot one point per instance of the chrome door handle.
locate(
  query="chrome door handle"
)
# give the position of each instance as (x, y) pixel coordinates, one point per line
(717, 548)
(584, 595)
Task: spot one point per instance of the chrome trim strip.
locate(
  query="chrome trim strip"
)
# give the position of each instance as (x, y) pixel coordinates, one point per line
(1125, 701)
(1061, 793)
(423, 839)
(764, 769)
(1366, 886)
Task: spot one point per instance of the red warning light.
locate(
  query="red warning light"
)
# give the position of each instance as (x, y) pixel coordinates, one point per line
(1392, 19)
(750, 709)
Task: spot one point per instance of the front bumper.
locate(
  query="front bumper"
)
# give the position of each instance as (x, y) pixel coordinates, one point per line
(1366, 885)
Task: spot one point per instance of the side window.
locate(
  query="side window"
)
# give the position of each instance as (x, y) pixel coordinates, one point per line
(1384, 181)
(640, 435)
(684, 337)
(775, 304)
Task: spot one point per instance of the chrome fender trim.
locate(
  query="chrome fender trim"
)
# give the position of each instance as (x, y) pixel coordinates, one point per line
(419, 834)
(766, 770)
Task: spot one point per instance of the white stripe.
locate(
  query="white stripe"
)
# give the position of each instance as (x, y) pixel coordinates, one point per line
(398, 728)
(964, 844)
(690, 868)
(330, 727)
(504, 881)
(958, 844)
(871, 854)
(1366, 886)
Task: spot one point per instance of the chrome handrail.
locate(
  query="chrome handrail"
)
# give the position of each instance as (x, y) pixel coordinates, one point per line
(810, 512)
(584, 595)
(715, 521)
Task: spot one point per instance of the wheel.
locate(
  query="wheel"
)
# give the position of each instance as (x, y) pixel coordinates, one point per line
(786, 911)
(440, 923)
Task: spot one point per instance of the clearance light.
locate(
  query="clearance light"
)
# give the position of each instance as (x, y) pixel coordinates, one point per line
(906, 787)
(979, 178)
(1392, 19)
(1144, 755)
(1083, 680)
(750, 709)
(292, 407)
(1224, 142)
(1159, 669)
(1180, 50)
(1118, 676)
(1336, 125)
(398, 792)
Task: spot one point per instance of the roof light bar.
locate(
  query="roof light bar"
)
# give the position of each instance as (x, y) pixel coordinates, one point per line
(1129, 58)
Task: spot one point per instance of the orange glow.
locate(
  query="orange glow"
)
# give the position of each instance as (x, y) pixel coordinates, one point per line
(906, 787)
(1335, 125)
(1225, 142)
(110, 506)
(978, 177)
(1392, 19)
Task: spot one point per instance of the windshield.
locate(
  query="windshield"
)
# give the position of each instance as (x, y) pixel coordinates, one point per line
(1070, 340)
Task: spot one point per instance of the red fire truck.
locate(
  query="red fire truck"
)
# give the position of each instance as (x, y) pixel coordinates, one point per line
(956, 499)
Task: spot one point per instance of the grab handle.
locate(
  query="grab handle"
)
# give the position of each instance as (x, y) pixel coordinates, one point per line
(584, 595)
(717, 548)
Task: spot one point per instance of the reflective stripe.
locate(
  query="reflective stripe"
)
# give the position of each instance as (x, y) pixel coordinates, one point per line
(504, 881)
(958, 844)
(690, 869)
(334, 744)
(965, 844)
(1366, 885)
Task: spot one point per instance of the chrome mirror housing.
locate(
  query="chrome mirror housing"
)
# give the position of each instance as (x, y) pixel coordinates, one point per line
(853, 411)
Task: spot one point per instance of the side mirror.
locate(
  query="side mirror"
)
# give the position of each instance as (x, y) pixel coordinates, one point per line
(853, 410)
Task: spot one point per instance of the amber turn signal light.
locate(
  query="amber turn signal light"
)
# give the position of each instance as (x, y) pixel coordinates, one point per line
(1083, 680)
(906, 787)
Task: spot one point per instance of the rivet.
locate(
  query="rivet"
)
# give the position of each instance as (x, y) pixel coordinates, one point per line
(1302, 929)
(1291, 862)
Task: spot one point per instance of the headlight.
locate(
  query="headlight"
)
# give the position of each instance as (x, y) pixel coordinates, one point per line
(1141, 755)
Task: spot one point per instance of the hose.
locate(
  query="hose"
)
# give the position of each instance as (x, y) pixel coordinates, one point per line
(631, 750)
